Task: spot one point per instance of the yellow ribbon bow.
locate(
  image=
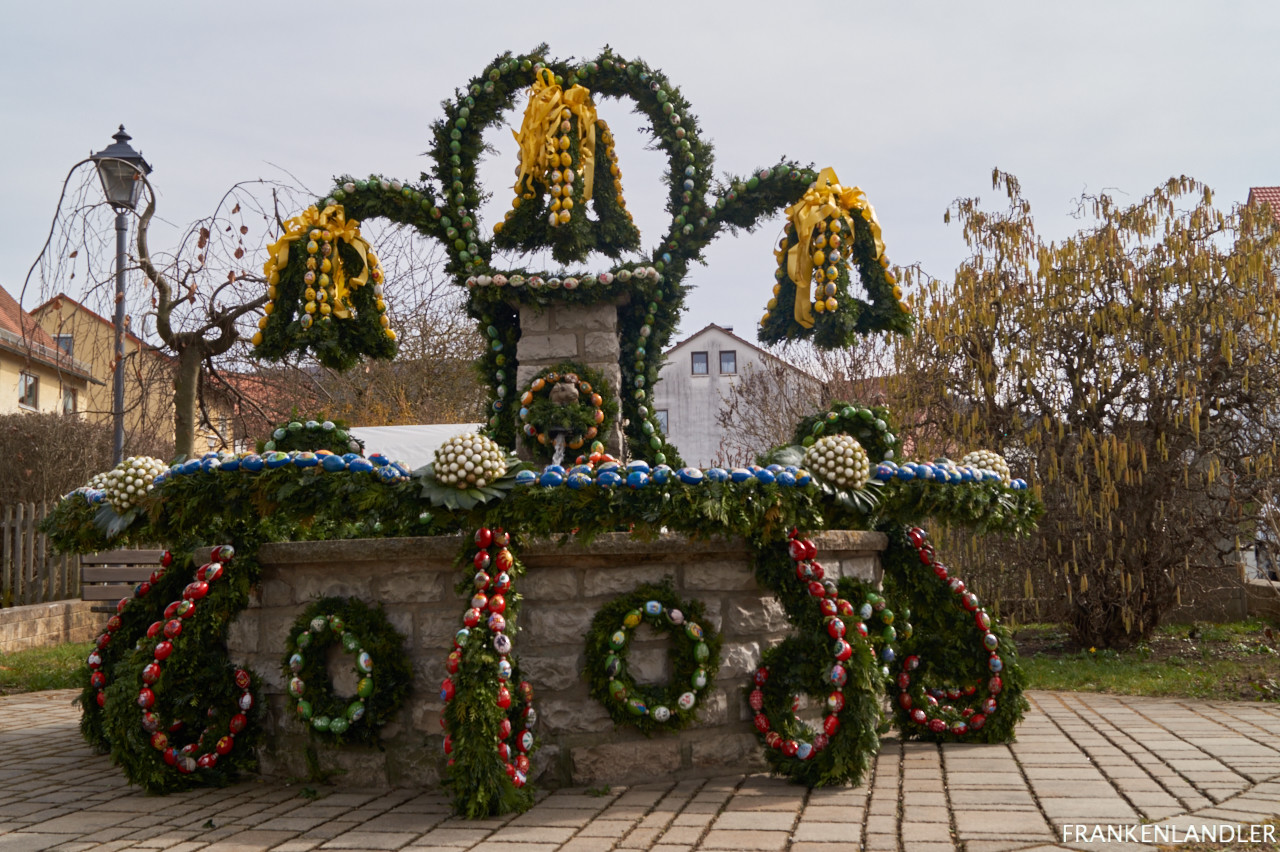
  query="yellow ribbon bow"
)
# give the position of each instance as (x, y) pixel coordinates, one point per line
(826, 199)
(537, 136)
(333, 219)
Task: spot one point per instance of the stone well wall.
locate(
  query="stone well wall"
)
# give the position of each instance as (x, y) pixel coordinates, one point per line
(563, 588)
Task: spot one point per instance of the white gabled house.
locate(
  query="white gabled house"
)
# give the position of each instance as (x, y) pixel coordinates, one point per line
(695, 381)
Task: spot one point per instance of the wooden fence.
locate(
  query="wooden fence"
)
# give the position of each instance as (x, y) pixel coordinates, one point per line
(31, 571)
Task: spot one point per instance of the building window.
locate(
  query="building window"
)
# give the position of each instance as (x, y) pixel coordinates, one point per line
(700, 364)
(661, 416)
(728, 361)
(28, 391)
(70, 405)
(65, 343)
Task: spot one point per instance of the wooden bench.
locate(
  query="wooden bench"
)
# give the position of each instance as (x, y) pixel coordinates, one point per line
(111, 575)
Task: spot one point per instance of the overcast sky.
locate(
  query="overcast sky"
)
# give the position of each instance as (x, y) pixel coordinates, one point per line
(914, 102)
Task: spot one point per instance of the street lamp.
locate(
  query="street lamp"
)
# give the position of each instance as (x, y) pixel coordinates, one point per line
(121, 170)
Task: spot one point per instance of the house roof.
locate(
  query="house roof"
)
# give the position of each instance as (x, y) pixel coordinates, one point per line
(729, 333)
(56, 301)
(21, 335)
(1266, 195)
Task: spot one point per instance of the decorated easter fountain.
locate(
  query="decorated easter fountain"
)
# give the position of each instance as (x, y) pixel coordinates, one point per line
(622, 616)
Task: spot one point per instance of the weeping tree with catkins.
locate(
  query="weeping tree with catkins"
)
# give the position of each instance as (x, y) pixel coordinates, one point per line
(1131, 370)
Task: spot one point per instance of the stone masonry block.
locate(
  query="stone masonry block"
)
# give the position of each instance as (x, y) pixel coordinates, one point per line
(550, 584)
(534, 318)
(738, 658)
(724, 576)
(547, 347)
(576, 713)
(242, 635)
(864, 568)
(750, 617)
(603, 317)
(613, 761)
(426, 587)
(736, 750)
(553, 673)
(599, 346)
(558, 625)
(618, 581)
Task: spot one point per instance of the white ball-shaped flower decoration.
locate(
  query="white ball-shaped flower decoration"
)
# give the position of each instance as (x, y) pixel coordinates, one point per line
(989, 460)
(126, 483)
(840, 460)
(469, 461)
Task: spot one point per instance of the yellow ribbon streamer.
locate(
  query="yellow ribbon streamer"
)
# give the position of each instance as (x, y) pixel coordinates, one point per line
(826, 199)
(538, 133)
(333, 219)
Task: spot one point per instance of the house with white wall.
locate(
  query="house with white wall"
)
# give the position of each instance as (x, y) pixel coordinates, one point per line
(694, 384)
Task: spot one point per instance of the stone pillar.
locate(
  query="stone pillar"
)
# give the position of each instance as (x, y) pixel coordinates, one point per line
(587, 334)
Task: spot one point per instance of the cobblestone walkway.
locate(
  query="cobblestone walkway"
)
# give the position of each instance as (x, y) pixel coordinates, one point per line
(1080, 760)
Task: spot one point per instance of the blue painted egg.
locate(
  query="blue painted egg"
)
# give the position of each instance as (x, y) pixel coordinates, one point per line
(786, 478)
(550, 479)
(765, 476)
(252, 463)
(718, 474)
(578, 480)
(554, 468)
(804, 751)
(609, 479)
(359, 465)
(306, 459)
(609, 465)
(966, 474)
(230, 465)
(347, 457)
(379, 459)
(275, 460)
(740, 474)
(526, 477)
(189, 466)
(637, 479)
(689, 475)
(776, 469)
(884, 473)
(333, 464)
(887, 654)
(210, 465)
(1018, 485)
(581, 468)
(653, 607)
(640, 465)
(803, 477)
(906, 474)
(390, 474)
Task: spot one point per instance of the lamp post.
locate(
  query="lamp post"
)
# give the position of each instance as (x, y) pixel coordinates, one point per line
(121, 170)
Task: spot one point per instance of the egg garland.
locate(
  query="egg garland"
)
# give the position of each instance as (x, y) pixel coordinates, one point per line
(989, 460)
(966, 711)
(830, 230)
(312, 436)
(325, 293)
(382, 670)
(486, 715)
(834, 647)
(209, 747)
(839, 460)
(570, 400)
(694, 655)
(127, 483)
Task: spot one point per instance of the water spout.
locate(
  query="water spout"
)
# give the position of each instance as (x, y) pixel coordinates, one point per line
(557, 457)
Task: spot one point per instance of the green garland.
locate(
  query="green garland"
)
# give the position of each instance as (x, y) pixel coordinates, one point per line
(380, 663)
(872, 426)
(581, 421)
(312, 436)
(694, 655)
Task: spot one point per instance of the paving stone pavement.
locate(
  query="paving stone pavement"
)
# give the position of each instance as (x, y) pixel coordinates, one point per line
(1081, 759)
